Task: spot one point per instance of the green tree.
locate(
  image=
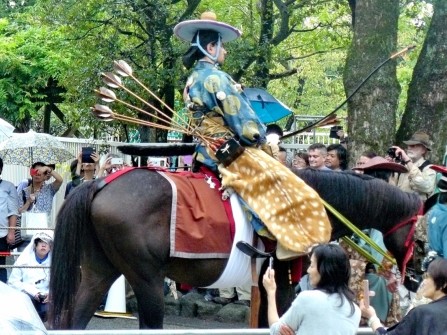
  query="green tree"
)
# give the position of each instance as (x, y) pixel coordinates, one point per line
(371, 112)
(141, 33)
(427, 95)
(29, 70)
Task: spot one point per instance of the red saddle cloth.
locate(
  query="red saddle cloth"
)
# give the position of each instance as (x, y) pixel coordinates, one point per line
(202, 224)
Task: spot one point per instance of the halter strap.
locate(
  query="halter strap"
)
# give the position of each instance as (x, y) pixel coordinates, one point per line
(357, 231)
(206, 53)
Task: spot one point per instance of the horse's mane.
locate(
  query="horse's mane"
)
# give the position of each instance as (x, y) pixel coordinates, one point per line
(364, 200)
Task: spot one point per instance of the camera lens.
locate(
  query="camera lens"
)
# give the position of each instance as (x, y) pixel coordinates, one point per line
(391, 152)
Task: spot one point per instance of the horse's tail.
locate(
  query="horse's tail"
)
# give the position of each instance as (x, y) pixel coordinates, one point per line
(73, 222)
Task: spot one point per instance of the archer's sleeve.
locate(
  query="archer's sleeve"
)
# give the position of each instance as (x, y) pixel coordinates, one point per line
(236, 111)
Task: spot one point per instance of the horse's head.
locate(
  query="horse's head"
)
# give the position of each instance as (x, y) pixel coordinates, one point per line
(368, 203)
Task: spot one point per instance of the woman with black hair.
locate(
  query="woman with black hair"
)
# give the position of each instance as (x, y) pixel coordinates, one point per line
(329, 309)
(428, 319)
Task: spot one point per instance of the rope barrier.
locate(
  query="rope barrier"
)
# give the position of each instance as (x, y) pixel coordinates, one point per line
(9, 253)
(360, 331)
(26, 228)
(25, 266)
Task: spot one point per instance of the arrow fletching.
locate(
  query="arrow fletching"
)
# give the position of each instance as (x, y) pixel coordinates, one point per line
(111, 80)
(122, 68)
(105, 94)
(102, 112)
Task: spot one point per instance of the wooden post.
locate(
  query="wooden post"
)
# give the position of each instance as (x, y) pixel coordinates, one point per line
(255, 296)
(255, 293)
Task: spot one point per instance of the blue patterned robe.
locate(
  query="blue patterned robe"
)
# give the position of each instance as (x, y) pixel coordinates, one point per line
(223, 110)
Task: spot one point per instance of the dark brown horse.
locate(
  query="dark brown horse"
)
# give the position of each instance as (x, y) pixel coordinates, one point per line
(124, 229)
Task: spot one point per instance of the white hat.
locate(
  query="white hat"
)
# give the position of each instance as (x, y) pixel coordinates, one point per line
(208, 21)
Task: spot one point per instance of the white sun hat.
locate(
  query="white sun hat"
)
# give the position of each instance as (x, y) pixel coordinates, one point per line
(208, 21)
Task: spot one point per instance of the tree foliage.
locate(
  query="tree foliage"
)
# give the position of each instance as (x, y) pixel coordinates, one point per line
(28, 59)
(296, 49)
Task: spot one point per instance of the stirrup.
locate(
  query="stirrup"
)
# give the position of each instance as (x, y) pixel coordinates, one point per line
(251, 251)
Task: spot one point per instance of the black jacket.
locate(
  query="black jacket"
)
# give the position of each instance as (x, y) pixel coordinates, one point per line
(429, 319)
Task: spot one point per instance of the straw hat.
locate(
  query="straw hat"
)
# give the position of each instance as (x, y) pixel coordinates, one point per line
(208, 21)
(420, 137)
(380, 163)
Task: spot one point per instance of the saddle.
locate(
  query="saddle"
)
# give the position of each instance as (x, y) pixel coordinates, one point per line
(202, 224)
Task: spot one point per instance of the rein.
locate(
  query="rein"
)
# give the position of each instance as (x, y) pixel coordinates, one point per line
(359, 233)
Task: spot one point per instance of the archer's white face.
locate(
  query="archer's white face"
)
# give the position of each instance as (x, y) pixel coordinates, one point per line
(212, 49)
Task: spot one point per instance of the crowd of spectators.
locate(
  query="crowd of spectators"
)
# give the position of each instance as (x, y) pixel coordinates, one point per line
(33, 199)
(409, 169)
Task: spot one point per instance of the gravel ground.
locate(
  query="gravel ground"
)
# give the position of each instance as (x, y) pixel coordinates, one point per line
(170, 322)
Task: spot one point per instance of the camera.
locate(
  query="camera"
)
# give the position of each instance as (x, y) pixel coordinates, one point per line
(42, 297)
(392, 153)
(116, 161)
(86, 153)
(333, 132)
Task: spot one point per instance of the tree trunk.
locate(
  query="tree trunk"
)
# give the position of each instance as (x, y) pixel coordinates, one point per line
(371, 112)
(426, 108)
(261, 77)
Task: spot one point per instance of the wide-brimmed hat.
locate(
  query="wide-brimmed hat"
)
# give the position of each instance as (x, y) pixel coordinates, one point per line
(441, 185)
(442, 182)
(420, 137)
(380, 163)
(208, 21)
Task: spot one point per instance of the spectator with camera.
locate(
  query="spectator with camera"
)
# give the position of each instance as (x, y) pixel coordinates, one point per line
(111, 163)
(34, 280)
(38, 196)
(420, 178)
(84, 166)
